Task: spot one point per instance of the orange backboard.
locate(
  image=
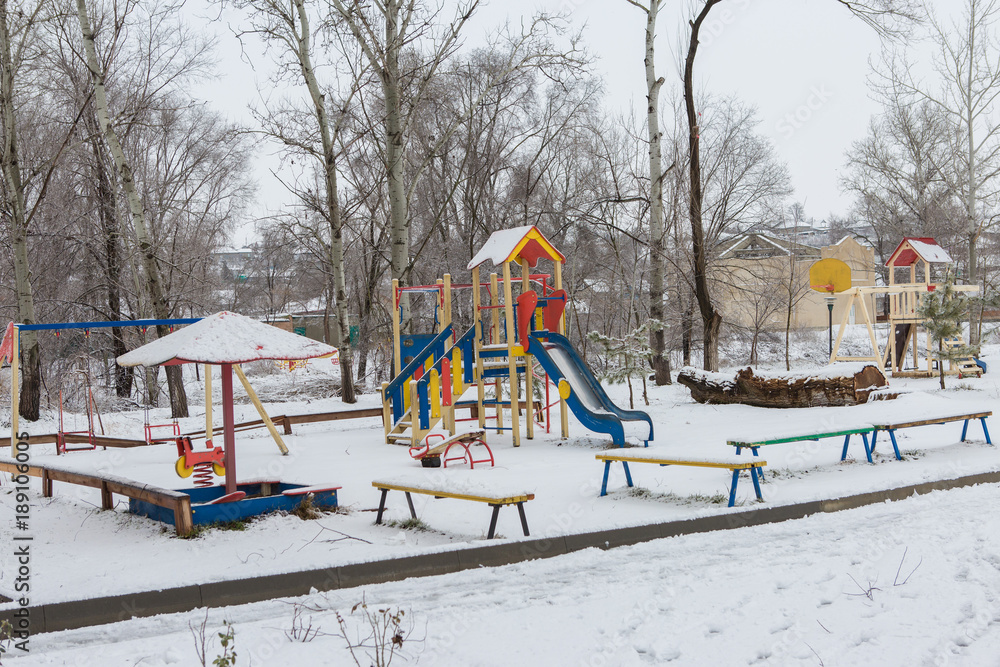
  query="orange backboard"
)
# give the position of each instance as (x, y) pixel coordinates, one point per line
(830, 275)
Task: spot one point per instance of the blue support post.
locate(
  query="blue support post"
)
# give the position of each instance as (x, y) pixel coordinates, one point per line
(895, 447)
(985, 431)
(425, 405)
(604, 484)
(868, 451)
(756, 482)
(628, 474)
(732, 489)
(847, 441)
(965, 429)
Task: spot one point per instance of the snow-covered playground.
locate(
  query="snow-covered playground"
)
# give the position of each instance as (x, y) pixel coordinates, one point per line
(910, 582)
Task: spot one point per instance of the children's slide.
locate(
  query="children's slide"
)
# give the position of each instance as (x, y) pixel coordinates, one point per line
(587, 398)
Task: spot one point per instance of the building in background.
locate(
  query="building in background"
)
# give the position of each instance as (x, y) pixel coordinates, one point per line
(759, 275)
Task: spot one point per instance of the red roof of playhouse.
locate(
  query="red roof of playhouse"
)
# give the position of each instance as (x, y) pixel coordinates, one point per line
(225, 338)
(912, 248)
(513, 245)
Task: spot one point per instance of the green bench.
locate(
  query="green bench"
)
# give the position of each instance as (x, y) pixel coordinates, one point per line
(863, 430)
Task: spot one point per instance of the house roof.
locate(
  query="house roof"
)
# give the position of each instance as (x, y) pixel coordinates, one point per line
(513, 245)
(912, 248)
(225, 338)
(756, 245)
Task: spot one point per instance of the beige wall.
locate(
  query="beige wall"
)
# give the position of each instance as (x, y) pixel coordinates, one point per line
(754, 290)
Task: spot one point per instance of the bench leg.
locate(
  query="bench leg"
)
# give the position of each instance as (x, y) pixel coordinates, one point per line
(874, 438)
(965, 429)
(493, 521)
(732, 489)
(628, 474)
(409, 501)
(756, 452)
(381, 507)
(604, 484)
(756, 483)
(524, 520)
(868, 450)
(895, 447)
(847, 442)
(985, 431)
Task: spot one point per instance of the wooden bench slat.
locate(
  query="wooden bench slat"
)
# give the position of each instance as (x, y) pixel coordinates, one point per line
(802, 437)
(731, 465)
(305, 490)
(437, 493)
(929, 422)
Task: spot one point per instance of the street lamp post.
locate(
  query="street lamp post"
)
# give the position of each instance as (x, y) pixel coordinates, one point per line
(830, 300)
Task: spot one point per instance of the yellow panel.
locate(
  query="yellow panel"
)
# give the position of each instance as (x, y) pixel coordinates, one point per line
(533, 233)
(830, 275)
(435, 394)
(458, 384)
(564, 389)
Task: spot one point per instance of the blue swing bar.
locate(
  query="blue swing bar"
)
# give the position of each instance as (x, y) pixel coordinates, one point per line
(105, 325)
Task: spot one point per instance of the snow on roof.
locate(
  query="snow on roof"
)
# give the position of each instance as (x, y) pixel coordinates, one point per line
(226, 338)
(925, 248)
(503, 245)
(932, 253)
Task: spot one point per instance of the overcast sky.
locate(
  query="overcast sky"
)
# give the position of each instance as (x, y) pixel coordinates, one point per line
(802, 63)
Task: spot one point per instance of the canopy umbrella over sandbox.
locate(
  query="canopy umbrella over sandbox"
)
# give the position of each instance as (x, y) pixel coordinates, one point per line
(227, 340)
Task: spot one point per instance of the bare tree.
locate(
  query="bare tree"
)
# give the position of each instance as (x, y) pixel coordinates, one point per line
(883, 15)
(14, 203)
(967, 64)
(289, 26)
(897, 176)
(657, 230)
(402, 23)
(153, 279)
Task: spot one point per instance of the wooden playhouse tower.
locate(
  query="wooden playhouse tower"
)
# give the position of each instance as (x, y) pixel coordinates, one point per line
(914, 258)
(432, 371)
(919, 255)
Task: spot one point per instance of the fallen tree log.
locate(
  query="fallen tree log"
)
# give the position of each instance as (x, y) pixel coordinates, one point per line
(839, 384)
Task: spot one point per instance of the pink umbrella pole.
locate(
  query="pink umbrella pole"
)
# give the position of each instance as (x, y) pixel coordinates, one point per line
(228, 427)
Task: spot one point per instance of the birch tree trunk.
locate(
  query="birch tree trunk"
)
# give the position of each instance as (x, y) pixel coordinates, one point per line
(399, 254)
(660, 361)
(175, 380)
(14, 193)
(333, 213)
(104, 194)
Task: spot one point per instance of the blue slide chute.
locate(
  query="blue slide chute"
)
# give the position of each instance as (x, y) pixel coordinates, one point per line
(587, 398)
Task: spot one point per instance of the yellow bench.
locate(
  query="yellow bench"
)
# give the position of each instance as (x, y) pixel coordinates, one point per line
(440, 490)
(650, 455)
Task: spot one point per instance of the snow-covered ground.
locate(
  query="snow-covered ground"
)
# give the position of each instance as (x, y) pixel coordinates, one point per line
(775, 594)
(910, 583)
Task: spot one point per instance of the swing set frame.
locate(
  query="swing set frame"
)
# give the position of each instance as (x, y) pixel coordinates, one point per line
(10, 352)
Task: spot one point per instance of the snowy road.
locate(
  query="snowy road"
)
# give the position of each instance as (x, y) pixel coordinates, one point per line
(909, 583)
